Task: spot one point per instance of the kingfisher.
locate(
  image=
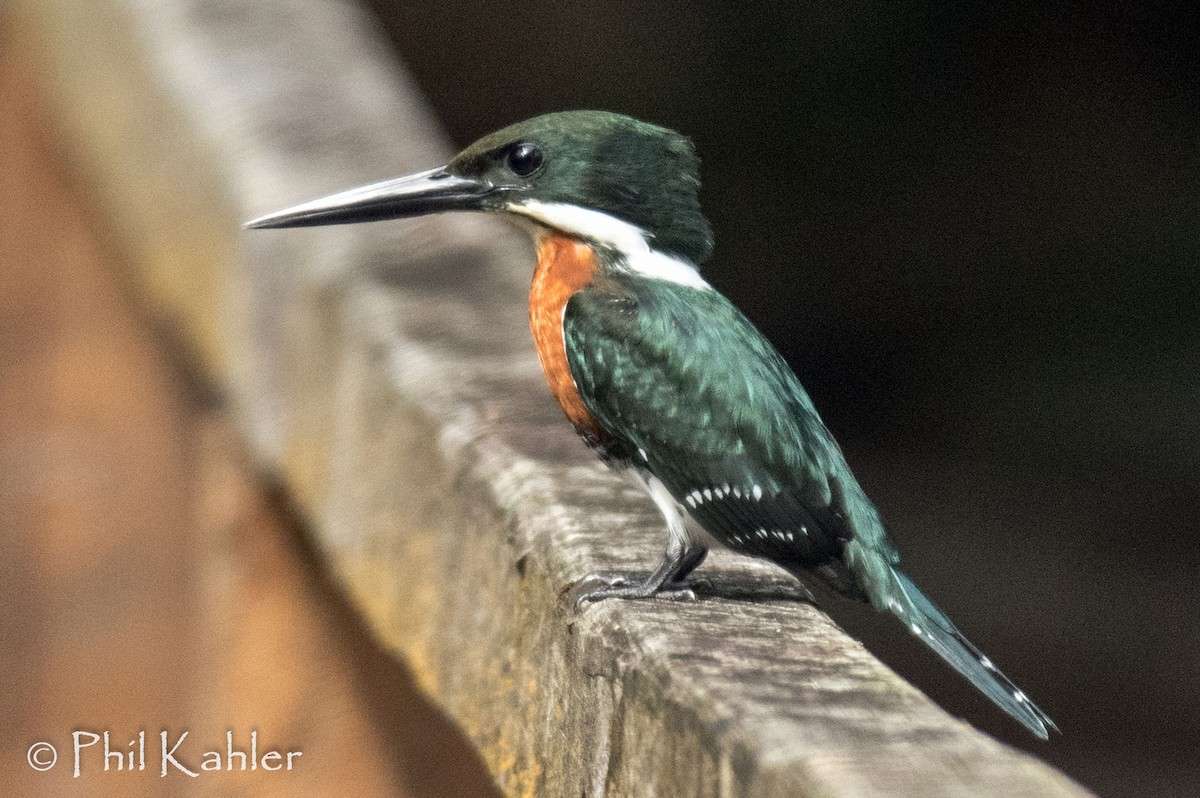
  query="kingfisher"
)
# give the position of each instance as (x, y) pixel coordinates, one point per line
(660, 374)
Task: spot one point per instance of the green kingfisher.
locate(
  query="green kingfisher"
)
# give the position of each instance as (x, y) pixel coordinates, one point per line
(660, 374)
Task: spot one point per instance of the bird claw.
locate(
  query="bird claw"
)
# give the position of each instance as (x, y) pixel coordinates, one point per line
(676, 591)
(622, 588)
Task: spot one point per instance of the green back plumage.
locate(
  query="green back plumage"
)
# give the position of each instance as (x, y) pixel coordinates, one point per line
(680, 374)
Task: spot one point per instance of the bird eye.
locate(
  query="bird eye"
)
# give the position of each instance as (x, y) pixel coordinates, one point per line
(524, 159)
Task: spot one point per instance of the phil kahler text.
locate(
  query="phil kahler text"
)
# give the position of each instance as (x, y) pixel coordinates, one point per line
(176, 755)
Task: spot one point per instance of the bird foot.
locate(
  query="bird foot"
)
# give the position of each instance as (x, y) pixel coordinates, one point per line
(622, 588)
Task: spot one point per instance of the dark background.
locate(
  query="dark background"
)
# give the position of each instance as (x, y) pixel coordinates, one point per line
(972, 232)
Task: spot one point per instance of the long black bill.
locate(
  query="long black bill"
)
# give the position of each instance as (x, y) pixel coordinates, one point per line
(416, 195)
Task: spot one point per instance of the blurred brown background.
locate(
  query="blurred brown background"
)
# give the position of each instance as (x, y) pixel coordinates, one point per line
(149, 581)
(973, 231)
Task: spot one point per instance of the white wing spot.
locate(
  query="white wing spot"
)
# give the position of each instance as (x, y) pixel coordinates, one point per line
(1020, 696)
(707, 494)
(737, 491)
(987, 663)
(915, 630)
(757, 493)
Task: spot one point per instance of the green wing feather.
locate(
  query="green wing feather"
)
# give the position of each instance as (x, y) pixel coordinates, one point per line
(679, 374)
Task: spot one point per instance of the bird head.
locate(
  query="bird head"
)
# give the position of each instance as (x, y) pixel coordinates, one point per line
(600, 176)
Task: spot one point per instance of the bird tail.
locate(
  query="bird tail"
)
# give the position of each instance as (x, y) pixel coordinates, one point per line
(935, 630)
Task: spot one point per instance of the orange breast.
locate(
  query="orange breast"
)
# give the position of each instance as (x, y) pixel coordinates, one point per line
(564, 266)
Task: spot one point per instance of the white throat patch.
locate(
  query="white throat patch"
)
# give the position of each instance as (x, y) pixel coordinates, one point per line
(613, 233)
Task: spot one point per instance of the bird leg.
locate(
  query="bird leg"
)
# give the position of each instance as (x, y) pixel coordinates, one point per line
(682, 555)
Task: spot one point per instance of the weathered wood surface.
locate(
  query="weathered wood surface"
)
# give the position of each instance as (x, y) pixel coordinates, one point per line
(149, 581)
(384, 373)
